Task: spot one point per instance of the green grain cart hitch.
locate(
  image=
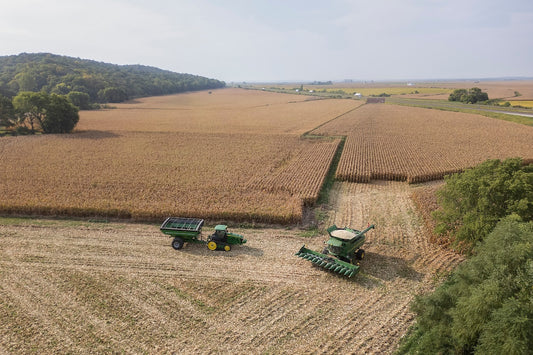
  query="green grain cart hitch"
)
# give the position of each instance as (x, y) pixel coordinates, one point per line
(190, 230)
(342, 252)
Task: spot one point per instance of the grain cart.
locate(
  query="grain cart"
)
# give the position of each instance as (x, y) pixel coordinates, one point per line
(190, 230)
(342, 252)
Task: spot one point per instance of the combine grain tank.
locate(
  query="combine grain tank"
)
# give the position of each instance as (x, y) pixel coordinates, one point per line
(342, 252)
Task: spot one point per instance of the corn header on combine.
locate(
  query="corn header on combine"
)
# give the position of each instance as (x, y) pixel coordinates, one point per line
(342, 252)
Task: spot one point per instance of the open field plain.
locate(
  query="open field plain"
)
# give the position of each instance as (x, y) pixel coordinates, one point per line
(232, 155)
(440, 89)
(68, 286)
(235, 154)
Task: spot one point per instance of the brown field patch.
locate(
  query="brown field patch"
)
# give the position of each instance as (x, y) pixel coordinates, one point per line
(147, 176)
(69, 286)
(231, 154)
(223, 111)
(412, 144)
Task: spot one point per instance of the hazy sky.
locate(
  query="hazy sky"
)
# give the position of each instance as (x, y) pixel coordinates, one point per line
(283, 40)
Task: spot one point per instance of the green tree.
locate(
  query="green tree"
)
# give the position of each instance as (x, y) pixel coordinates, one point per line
(7, 112)
(61, 115)
(457, 95)
(52, 113)
(112, 94)
(30, 108)
(470, 96)
(486, 306)
(80, 99)
(472, 202)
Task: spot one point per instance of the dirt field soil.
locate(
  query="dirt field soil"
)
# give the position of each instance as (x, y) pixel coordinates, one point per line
(107, 287)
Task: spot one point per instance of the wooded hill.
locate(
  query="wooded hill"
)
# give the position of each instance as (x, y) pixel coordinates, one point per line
(103, 82)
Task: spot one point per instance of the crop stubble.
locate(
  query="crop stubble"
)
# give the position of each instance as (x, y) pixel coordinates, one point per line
(68, 287)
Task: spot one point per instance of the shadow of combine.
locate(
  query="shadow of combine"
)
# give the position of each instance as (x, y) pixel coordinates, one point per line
(378, 268)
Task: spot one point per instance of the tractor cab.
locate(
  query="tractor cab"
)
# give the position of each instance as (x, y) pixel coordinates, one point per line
(221, 233)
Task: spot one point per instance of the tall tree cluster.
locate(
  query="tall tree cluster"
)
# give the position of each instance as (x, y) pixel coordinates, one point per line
(102, 82)
(470, 96)
(486, 304)
(39, 111)
(43, 92)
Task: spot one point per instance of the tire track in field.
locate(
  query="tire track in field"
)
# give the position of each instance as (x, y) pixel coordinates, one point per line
(258, 298)
(391, 329)
(356, 328)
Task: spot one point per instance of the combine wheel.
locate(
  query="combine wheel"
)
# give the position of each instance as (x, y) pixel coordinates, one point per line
(360, 254)
(177, 243)
(325, 251)
(212, 245)
(227, 248)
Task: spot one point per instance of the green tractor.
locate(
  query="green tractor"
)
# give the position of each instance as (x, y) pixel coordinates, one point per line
(190, 230)
(342, 252)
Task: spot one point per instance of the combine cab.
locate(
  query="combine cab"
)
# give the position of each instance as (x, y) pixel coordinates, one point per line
(342, 252)
(190, 230)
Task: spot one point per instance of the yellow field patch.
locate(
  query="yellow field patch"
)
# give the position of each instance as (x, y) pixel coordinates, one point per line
(522, 103)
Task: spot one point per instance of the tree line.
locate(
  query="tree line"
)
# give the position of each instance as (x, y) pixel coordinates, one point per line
(92, 81)
(486, 305)
(43, 92)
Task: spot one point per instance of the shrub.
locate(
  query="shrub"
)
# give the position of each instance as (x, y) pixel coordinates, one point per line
(473, 202)
(485, 307)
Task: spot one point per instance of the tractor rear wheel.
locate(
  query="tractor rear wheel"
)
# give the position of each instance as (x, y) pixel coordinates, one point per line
(212, 245)
(177, 243)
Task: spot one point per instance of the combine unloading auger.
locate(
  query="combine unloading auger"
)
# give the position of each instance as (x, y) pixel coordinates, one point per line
(342, 253)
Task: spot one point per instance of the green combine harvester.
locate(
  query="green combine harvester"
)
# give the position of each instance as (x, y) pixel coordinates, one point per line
(190, 230)
(342, 252)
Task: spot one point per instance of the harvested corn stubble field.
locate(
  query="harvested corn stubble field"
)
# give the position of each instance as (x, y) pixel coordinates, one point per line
(68, 286)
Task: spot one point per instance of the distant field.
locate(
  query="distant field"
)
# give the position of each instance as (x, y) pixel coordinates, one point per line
(390, 142)
(225, 111)
(503, 89)
(521, 103)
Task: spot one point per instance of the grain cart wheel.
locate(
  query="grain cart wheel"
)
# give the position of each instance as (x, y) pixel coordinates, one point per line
(360, 254)
(177, 243)
(212, 245)
(227, 248)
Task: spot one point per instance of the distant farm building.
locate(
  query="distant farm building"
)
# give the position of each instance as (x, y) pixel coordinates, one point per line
(375, 100)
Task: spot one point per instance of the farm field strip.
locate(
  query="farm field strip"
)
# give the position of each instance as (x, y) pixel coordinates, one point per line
(416, 145)
(227, 111)
(121, 287)
(146, 176)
